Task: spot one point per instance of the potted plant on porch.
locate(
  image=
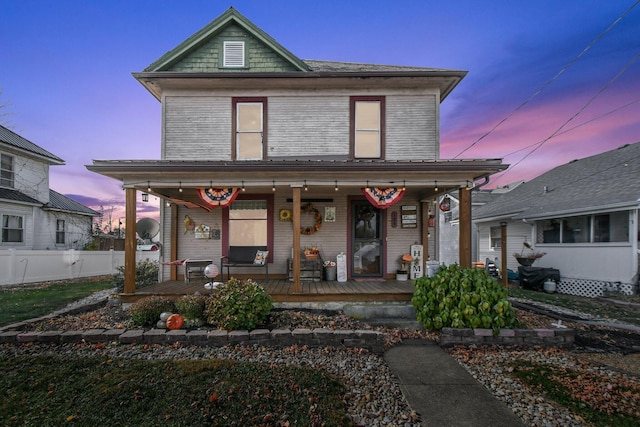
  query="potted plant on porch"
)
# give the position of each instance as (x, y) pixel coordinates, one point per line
(526, 260)
(402, 273)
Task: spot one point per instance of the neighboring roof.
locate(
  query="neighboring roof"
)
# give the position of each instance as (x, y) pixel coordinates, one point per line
(604, 182)
(59, 202)
(11, 138)
(17, 196)
(355, 67)
(231, 16)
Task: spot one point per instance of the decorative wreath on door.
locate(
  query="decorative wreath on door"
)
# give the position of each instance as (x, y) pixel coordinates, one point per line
(308, 208)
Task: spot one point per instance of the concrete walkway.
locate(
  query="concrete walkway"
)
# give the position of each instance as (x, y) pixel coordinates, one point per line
(442, 391)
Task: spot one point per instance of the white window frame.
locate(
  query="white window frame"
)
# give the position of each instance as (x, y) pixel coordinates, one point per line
(7, 228)
(260, 131)
(7, 175)
(496, 241)
(60, 231)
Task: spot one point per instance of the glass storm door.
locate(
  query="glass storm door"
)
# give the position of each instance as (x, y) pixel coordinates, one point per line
(366, 240)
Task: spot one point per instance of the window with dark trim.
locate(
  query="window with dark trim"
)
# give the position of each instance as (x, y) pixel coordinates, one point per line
(6, 171)
(249, 119)
(248, 222)
(496, 237)
(367, 122)
(601, 228)
(60, 231)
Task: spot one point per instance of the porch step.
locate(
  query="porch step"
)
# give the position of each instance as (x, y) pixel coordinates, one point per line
(392, 315)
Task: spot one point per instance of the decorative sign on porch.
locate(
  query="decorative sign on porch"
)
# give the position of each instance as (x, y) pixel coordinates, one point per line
(409, 216)
(382, 198)
(203, 232)
(215, 197)
(341, 261)
(417, 266)
(445, 205)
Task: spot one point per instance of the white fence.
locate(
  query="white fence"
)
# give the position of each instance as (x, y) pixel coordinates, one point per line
(20, 267)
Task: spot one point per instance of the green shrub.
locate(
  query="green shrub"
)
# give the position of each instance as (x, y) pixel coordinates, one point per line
(146, 274)
(238, 304)
(192, 307)
(462, 297)
(147, 312)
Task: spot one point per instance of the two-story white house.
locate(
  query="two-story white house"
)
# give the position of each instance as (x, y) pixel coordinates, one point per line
(263, 149)
(35, 217)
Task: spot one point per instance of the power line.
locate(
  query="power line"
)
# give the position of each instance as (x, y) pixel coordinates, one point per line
(549, 82)
(554, 134)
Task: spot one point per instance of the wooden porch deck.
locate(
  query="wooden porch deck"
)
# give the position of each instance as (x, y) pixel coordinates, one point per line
(280, 290)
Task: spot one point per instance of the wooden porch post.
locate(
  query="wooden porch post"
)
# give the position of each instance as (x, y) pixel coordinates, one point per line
(130, 242)
(503, 245)
(296, 288)
(173, 249)
(465, 227)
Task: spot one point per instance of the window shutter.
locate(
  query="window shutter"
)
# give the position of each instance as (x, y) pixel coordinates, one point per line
(233, 54)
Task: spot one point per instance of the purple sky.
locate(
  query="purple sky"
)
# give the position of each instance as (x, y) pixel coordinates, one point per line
(66, 73)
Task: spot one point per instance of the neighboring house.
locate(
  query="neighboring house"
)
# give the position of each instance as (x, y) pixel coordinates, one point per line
(583, 214)
(35, 217)
(449, 221)
(296, 153)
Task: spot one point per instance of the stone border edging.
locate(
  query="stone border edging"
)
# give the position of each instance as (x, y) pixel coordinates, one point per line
(520, 337)
(370, 340)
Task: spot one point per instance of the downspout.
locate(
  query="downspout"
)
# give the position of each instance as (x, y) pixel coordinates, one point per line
(478, 186)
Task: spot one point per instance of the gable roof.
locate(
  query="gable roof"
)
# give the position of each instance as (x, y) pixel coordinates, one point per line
(12, 195)
(604, 182)
(16, 141)
(60, 202)
(231, 16)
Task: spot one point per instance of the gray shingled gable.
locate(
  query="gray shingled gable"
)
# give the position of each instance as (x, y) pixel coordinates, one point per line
(211, 30)
(11, 138)
(60, 202)
(604, 181)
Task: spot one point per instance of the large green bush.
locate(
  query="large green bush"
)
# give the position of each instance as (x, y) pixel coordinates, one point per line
(147, 312)
(238, 304)
(146, 274)
(462, 298)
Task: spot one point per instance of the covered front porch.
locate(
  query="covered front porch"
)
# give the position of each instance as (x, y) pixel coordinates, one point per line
(281, 290)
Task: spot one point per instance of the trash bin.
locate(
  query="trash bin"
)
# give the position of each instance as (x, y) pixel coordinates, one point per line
(432, 268)
(330, 273)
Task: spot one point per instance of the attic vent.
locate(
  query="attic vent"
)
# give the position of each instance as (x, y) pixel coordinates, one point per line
(233, 54)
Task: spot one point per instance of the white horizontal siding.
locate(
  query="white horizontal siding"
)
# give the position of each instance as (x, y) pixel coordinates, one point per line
(517, 233)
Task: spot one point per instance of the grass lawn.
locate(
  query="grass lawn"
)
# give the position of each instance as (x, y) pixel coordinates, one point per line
(26, 303)
(56, 390)
(595, 306)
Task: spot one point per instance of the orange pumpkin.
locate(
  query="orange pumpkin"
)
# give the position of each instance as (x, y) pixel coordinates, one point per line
(175, 321)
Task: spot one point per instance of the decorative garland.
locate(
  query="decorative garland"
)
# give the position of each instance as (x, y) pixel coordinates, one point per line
(308, 208)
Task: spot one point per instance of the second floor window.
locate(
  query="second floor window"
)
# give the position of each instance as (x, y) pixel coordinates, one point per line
(6, 171)
(12, 229)
(60, 231)
(367, 127)
(249, 128)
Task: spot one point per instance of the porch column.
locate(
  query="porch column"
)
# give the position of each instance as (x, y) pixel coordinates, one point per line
(425, 230)
(465, 227)
(173, 249)
(296, 288)
(130, 242)
(503, 246)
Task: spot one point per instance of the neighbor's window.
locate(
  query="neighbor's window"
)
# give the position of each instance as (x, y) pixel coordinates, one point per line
(6, 170)
(602, 228)
(496, 237)
(233, 55)
(613, 227)
(60, 231)
(249, 128)
(12, 229)
(576, 229)
(367, 124)
(248, 223)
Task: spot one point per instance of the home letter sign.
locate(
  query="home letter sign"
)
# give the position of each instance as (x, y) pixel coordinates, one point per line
(417, 264)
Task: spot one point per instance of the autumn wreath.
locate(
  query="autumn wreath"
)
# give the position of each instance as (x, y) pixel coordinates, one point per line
(308, 208)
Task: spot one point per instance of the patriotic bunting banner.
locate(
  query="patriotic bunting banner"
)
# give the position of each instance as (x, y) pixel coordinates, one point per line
(383, 197)
(215, 197)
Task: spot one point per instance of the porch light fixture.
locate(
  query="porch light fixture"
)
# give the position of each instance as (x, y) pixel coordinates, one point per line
(404, 185)
(167, 204)
(436, 189)
(305, 186)
(145, 197)
(336, 186)
(180, 188)
(148, 187)
(211, 186)
(274, 186)
(243, 189)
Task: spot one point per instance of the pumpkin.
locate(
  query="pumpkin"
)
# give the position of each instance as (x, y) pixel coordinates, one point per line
(175, 321)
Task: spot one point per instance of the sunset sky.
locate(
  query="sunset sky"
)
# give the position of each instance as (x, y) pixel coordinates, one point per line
(559, 76)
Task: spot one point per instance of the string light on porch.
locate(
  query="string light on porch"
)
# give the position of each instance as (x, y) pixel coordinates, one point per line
(436, 186)
(336, 186)
(404, 185)
(148, 187)
(180, 186)
(274, 186)
(211, 186)
(305, 186)
(243, 189)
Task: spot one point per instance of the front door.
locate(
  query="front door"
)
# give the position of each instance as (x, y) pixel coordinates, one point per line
(366, 240)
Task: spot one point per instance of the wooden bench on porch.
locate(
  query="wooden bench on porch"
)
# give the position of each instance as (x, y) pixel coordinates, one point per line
(245, 256)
